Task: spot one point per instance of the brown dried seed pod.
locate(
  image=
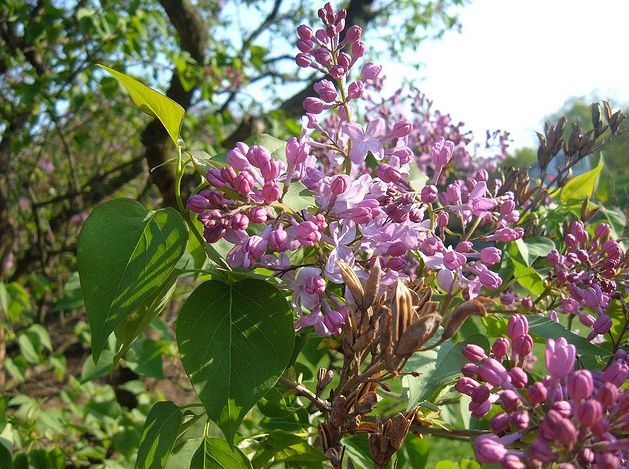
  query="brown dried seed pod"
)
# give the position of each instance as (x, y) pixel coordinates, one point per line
(417, 335)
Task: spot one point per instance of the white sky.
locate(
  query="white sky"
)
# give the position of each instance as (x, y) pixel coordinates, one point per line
(517, 61)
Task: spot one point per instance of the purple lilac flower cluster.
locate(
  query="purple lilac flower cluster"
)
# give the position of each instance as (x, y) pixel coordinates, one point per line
(359, 214)
(571, 418)
(588, 273)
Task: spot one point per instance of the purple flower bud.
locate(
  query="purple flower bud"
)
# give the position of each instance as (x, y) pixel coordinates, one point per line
(441, 152)
(428, 194)
(607, 394)
(240, 221)
(537, 393)
(464, 246)
(442, 219)
(563, 407)
(616, 373)
(492, 372)
(500, 422)
(370, 71)
(566, 433)
(334, 320)
(355, 89)
(244, 183)
(490, 255)
(296, 151)
(560, 357)
(256, 246)
(344, 60)
(358, 49)
(519, 378)
(213, 176)
(337, 72)
(500, 348)
(580, 385)
(586, 457)
(606, 460)
(603, 324)
(315, 285)
(480, 409)
(326, 90)
(307, 233)
(197, 203)
(339, 184)
(512, 461)
(452, 260)
(258, 215)
(278, 240)
(313, 105)
(305, 46)
(402, 129)
(473, 353)
(518, 326)
(554, 257)
(353, 33)
(469, 370)
(258, 156)
(578, 231)
(509, 399)
(589, 413)
(388, 173)
(480, 394)
(322, 35)
(466, 385)
(489, 449)
(523, 345)
(302, 60)
(541, 451)
(488, 278)
(520, 419)
(236, 157)
(305, 32)
(602, 231)
(271, 192)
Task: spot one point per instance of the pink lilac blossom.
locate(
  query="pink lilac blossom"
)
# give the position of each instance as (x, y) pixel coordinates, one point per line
(568, 416)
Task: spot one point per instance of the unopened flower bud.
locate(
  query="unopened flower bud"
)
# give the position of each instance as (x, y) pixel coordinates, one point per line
(370, 71)
(490, 255)
(197, 203)
(236, 157)
(580, 385)
(244, 183)
(302, 60)
(500, 422)
(355, 89)
(500, 348)
(489, 449)
(589, 413)
(305, 32)
(358, 49)
(326, 90)
(258, 215)
(523, 345)
(537, 393)
(353, 33)
(518, 326)
(518, 376)
(474, 353)
(402, 129)
(339, 184)
(428, 194)
(313, 105)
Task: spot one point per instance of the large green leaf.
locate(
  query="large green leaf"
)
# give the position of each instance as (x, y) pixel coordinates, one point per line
(532, 248)
(215, 453)
(285, 447)
(159, 435)
(580, 187)
(592, 356)
(235, 342)
(298, 197)
(125, 253)
(153, 103)
(438, 368)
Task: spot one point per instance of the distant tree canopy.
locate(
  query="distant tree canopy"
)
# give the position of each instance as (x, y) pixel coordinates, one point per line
(68, 137)
(615, 181)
